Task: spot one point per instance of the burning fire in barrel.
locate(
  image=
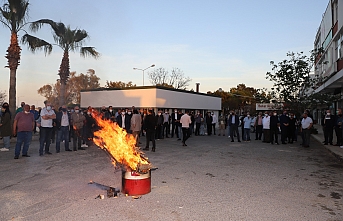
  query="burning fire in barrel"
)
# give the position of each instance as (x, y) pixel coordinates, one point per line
(121, 146)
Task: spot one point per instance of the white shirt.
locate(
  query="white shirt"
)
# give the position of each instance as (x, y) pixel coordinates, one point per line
(214, 119)
(64, 120)
(46, 123)
(305, 122)
(123, 121)
(266, 122)
(185, 120)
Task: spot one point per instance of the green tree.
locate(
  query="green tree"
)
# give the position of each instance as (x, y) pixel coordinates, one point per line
(294, 85)
(2, 97)
(242, 98)
(69, 40)
(119, 84)
(76, 83)
(13, 15)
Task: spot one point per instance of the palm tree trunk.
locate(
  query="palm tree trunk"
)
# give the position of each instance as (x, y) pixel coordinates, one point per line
(64, 76)
(13, 57)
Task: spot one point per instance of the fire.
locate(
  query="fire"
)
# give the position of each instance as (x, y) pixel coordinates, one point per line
(118, 143)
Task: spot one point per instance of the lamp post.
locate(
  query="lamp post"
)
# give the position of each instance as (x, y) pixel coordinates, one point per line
(144, 70)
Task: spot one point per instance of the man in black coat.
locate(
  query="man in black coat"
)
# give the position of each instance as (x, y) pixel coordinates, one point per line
(150, 123)
(274, 128)
(175, 119)
(124, 121)
(284, 125)
(329, 123)
(234, 123)
(208, 120)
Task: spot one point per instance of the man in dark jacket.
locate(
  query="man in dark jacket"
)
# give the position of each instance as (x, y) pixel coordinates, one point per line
(208, 120)
(274, 128)
(284, 125)
(175, 119)
(329, 123)
(62, 122)
(124, 121)
(159, 119)
(234, 123)
(150, 124)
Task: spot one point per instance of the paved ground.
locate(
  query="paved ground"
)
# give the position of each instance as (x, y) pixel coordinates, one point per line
(210, 179)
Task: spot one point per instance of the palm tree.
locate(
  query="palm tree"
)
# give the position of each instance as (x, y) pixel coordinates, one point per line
(13, 15)
(68, 40)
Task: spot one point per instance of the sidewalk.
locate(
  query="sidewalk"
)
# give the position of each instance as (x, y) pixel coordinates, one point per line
(335, 150)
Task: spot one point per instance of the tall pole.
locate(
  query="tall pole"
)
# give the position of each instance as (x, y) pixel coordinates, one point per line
(144, 70)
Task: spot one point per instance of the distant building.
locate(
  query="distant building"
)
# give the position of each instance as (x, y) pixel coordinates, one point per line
(150, 97)
(330, 63)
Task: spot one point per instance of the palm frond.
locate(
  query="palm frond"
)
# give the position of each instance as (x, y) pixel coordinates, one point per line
(89, 51)
(58, 27)
(34, 44)
(14, 14)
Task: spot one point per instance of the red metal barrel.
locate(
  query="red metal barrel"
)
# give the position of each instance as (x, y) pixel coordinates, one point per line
(134, 183)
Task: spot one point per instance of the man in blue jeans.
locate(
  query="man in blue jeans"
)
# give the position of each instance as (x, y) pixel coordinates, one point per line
(22, 127)
(62, 125)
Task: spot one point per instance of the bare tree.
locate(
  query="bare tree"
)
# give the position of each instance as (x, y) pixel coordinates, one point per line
(2, 97)
(176, 79)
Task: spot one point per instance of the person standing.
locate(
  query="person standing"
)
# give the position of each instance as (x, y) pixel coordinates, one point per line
(214, 122)
(136, 125)
(266, 128)
(185, 121)
(22, 128)
(35, 116)
(124, 121)
(258, 126)
(179, 125)
(234, 123)
(150, 128)
(191, 127)
(166, 124)
(209, 120)
(77, 120)
(21, 108)
(306, 125)
(62, 126)
(328, 125)
(89, 127)
(247, 125)
(274, 128)
(5, 126)
(175, 118)
(159, 119)
(221, 121)
(291, 128)
(197, 120)
(47, 117)
(338, 127)
(284, 125)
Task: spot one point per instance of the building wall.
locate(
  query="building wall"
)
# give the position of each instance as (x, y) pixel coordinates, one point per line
(150, 97)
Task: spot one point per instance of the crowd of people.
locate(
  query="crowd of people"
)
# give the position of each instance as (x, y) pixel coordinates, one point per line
(64, 125)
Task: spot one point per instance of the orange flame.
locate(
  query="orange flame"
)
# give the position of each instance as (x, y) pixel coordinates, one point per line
(118, 143)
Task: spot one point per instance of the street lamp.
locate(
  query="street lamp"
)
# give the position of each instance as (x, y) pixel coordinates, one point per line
(144, 70)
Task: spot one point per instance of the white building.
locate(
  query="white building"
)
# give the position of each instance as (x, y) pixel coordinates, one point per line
(330, 63)
(150, 97)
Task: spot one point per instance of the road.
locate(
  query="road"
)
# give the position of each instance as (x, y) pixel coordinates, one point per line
(210, 179)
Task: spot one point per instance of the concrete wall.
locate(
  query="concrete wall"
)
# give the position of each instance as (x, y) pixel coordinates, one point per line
(150, 97)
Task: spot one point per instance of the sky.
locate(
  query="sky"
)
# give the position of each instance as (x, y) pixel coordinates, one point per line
(217, 43)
